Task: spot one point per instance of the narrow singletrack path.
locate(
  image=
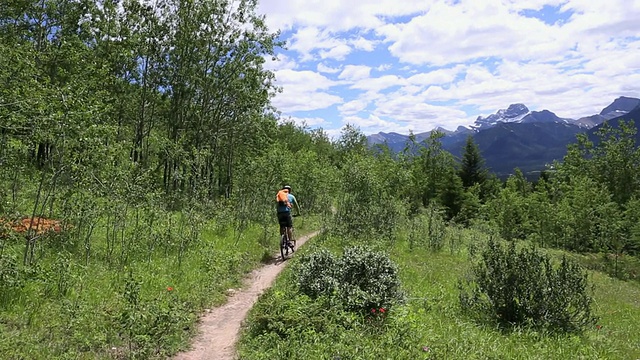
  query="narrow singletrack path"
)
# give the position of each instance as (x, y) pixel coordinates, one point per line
(219, 329)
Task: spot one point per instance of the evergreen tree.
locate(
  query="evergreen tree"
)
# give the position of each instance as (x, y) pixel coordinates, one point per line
(473, 170)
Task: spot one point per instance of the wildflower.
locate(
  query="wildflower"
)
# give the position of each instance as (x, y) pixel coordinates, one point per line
(426, 349)
(598, 327)
(169, 288)
(382, 310)
(373, 311)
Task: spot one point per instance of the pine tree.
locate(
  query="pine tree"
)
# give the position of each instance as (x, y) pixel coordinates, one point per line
(473, 170)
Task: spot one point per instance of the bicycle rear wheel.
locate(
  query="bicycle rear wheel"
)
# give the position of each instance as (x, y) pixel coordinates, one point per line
(284, 249)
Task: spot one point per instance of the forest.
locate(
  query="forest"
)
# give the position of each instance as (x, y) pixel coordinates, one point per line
(139, 159)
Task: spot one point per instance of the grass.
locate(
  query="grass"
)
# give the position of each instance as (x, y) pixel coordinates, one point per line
(285, 324)
(143, 307)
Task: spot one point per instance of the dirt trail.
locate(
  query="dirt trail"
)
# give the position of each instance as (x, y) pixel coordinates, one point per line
(219, 329)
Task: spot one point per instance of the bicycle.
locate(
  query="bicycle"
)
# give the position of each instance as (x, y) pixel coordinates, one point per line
(286, 243)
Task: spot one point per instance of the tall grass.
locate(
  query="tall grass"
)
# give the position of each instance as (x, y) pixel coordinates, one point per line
(136, 295)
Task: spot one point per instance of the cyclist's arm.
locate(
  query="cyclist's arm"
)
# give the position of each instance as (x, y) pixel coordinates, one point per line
(295, 201)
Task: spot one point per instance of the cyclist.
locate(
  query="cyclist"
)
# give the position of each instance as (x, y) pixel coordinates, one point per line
(286, 201)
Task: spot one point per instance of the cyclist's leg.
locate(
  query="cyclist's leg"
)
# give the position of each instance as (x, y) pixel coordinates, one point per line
(290, 233)
(282, 222)
(289, 227)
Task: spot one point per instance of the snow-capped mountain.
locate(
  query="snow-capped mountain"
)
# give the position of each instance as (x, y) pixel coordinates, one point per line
(518, 113)
(620, 106)
(514, 113)
(517, 137)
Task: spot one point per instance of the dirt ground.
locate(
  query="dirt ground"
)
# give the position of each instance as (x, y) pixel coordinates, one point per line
(219, 328)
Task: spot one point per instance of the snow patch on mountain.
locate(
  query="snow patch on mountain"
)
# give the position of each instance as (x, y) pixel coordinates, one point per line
(513, 114)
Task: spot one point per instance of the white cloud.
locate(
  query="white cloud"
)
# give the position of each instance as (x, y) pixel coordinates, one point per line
(338, 52)
(306, 101)
(419, 115)
(304, 81)
(604, 19)
(338, 15)
(327, 69)
(372, 121)
(355, 72)
(379, 83)
(440, 76)
(361, 43)
(492, 55)
(302, 91)
(280, 62)
(353, 107)
(307, 39)
(482, 29)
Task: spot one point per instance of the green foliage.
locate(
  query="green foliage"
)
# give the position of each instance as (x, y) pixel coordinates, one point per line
(631, 227)
(368, 203)
(351, 142)
(451, 194)
(146, 129)
(319, 274)
(472, 171)
(430, 174)
(360, 280)
(588, 219)
(521, 287)
(427, 229)
(150, 324)
(286, 324)
(508, 210)
(11, 278)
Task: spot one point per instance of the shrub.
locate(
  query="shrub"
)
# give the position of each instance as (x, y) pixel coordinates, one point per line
(359, 280)
(317, 275)
(521, 287)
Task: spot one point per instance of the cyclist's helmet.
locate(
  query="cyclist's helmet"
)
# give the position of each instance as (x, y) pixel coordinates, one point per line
(286, 187)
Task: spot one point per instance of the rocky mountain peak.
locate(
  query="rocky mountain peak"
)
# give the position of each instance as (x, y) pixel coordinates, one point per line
(514, 113)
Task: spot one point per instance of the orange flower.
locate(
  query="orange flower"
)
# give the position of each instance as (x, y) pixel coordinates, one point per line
(169, 288)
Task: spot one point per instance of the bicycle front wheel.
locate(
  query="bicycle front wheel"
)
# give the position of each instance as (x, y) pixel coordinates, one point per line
(284, 250)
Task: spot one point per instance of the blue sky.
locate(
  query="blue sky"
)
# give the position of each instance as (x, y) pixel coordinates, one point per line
(413, 65)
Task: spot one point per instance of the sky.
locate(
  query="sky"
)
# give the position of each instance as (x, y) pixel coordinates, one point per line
(414, 65)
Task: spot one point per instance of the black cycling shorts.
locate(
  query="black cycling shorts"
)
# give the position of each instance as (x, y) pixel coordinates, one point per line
(285, 219)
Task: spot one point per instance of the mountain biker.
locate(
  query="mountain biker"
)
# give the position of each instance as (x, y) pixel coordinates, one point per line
(286, 201)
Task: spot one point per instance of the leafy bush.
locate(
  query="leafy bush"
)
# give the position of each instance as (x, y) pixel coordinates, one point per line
(521, 287)
(318, 274)
(361, 279)
(368, 194)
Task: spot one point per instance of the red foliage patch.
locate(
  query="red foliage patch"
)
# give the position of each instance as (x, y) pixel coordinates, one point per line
(38, 224)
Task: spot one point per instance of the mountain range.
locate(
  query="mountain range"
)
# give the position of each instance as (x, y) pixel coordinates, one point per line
(517, 137)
